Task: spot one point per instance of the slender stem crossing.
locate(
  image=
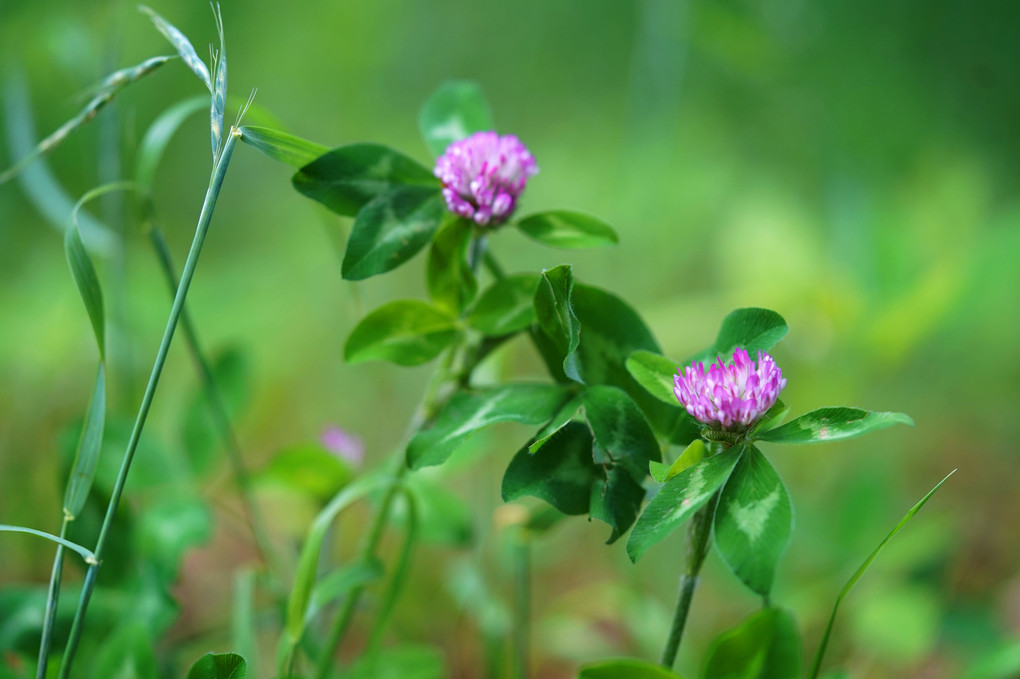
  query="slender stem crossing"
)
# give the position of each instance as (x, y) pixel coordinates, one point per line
(205, 218)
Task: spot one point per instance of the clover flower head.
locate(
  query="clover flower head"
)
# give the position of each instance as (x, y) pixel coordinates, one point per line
(730, 397)
(483, 175)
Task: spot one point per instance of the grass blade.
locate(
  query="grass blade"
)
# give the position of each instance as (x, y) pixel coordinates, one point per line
(40, 186)
(181, 44)
(107, 91)
(816, 666)
(286, 148)
(73, 546)
(89, 446)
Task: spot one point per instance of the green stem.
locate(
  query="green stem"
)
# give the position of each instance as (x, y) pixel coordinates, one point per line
(698, 534)
(220, 413)
(400, 573)
(436, 394)
(176, 310)
(52, 599)
(522, 603)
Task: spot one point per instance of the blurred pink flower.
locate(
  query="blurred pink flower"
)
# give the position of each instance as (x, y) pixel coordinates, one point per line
(730, 396)
(344, 445)
(484, 175)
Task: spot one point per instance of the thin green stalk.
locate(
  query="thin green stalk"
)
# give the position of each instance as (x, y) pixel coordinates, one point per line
(204, 219)
(698, 534)
(436, 394)
(522, 603)
(400, 573)
(220, 412)
(52, 599)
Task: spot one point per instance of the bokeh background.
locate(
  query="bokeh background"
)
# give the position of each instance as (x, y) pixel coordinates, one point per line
(850, 164)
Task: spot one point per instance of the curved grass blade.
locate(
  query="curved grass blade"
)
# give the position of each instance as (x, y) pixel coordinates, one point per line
(181, 44)
(219, 90)
(73, 546)
(286, 148)
(89, 446)
(244, 634)
(817, 664)
(308, 562)
(157, 137)
(108, 90)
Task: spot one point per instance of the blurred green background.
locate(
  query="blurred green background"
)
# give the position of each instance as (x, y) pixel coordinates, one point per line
(850, 164)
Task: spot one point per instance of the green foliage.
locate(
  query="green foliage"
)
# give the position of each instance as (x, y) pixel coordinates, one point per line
(454, 111)
(555, 316)
(565, 473)
(471, 411)
(340, 581)
(764, 646)
(568, 229)
(678, 499)
(654, 373)
(401, 662)
(90, 445)
(750, 329)
(506, 306)
(219, 666)
(231, 373)
(753, 521)
(308, 469)
(281, 146)
(450, 281)
(625, 668)
(692, 455)
(833, 424)
(169, 528)
(405, 332)
(346, 179)
(391, 229)
(219, 88)
(128, 654)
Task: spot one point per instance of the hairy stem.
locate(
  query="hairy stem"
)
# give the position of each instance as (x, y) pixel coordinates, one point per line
(204, 219)
(698, 534)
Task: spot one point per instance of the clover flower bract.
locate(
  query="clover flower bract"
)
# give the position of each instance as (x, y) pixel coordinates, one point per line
(483, 175)
(731, 396)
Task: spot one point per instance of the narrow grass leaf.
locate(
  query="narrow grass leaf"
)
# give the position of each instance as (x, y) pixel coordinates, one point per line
(36, 180)
(182, 45)
(219, 666)
(567, 229)
(85, 278)
(454, 111)
(308, 563)
(157, 137)
(817, 664)
(347, 178)
(471, 411)
(833, 424)
(390, 230)
(86, 459)
(506, 307)
(74, 547)
(678, 499)
(753, 521)
(107, 91)
(405, 332)
(764, 646)
(340, 581)
(286, 148)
